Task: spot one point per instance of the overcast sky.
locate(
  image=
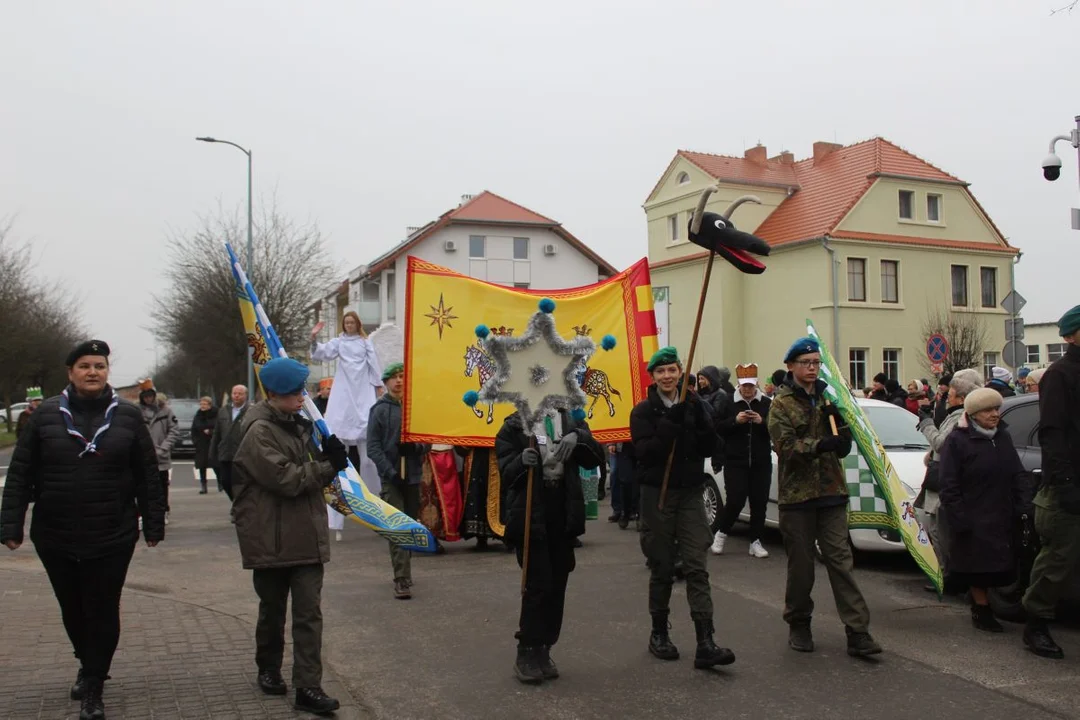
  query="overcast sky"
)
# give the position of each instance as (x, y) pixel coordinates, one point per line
(369, 117)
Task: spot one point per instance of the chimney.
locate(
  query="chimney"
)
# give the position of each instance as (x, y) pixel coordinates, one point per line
(822, 149)
(411, 230)
(784, 158)
(465, 199)
(757, 154)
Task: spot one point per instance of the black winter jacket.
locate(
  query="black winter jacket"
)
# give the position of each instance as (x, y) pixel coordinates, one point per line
(1059, 419)
(84, 507)
(510, 442)
(653, 434)
(747, 445)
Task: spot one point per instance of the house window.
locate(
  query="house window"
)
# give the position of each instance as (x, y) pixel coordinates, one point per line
(933, 208)
(1055, 351)
(683, 178)
(477, 246)
(370, 292)
(1033, 355)
(890, 363)
(856, 279)
(673, 227)
(521, 248)
(907, 205)
(989, 361)
(890, 281)
(857, 366)
(988, 277)
(959, 286)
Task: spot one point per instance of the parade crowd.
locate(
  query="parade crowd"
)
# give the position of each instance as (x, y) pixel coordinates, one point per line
(96, 469)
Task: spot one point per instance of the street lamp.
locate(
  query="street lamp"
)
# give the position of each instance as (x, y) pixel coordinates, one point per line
(250, 261)
(1051, 164)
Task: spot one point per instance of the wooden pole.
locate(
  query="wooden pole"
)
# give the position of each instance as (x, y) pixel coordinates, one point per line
(528, 519)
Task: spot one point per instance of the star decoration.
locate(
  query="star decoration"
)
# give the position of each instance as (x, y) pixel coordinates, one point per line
(441, 315)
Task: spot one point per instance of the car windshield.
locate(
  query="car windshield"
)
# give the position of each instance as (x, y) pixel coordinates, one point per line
(895, 428)
(184, 410)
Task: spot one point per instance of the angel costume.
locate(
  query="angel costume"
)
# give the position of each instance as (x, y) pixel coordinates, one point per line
(351, 398)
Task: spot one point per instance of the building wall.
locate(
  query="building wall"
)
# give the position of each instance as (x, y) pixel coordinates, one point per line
(1041, 336)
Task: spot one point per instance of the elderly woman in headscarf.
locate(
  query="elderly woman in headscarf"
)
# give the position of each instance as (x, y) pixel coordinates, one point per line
(983, 492)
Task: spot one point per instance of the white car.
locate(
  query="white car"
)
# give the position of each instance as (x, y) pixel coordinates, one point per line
(905, 447)
(16, 411)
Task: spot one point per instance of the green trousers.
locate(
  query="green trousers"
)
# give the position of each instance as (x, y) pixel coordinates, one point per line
(405, 498)
(274, 586)
(1059, 533)
(682, 520)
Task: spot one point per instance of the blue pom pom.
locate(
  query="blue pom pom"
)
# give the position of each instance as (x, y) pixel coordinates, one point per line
(482, 331)
(471, 398)
(547, 306)
(578, 414)
(607, 342)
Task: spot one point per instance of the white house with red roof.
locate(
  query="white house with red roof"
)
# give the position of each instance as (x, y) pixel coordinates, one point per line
(867, 241)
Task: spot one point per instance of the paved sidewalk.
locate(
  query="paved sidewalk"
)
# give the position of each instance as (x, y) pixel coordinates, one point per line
(176, 659)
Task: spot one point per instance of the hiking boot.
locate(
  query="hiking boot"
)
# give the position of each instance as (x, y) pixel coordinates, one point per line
(78, 689)
(1038, 640)
(860, 644)
(800, 639)
(758, 550)
(314, 700)
(527, 667)
(624, 521)
(708, 654)
(548, 668)
(718, 543)
(982, 617)
(614, 517)
(92, 708)
(401, 589)
(660, 644)
(271, 682)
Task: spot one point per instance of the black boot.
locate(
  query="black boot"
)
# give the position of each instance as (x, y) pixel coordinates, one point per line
(860, 644)
(624, 521)
(314, 700)
(708, 654)
(527, 666)
(92, 706)
(800, 638)
(548, 668)
(1037, 639)
(202, 484)
(982, 617)
(271, 682)
(79, 688)
(660, 644)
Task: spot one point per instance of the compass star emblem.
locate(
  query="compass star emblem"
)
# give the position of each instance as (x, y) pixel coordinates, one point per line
(441, 315)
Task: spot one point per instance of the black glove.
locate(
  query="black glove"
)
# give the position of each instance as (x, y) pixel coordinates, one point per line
(409, 449)
(396, 479)
(680, 413)
(668, 429)
(831, 411)
(530, 457)
(1068, 497)
(830, 443)
(336, 453)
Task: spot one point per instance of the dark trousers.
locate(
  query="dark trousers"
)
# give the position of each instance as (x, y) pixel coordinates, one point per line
(829, 526)
(551, 561)
(741, 484)
(405, 498)
(89, 595)
(354, 456)
(224, 476)
(273, 586)
(164, 475)
(679, 529)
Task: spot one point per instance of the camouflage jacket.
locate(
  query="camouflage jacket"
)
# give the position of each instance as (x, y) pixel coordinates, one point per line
(796, 424)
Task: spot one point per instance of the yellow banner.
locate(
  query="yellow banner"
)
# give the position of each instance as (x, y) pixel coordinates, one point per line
(256, 344)
(443, 359)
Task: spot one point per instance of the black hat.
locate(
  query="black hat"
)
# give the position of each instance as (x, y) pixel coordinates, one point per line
(90, 347)
(778, 377)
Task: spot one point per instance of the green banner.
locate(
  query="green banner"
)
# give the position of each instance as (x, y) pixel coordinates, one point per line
(884, 475)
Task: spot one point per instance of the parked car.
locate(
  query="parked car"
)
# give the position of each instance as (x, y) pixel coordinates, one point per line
(905, 447)
(184, 409)
(16, 410)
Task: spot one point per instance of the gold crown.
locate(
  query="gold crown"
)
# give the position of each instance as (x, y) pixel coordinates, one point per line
(583, 329)
(502, 330)
(746, 372)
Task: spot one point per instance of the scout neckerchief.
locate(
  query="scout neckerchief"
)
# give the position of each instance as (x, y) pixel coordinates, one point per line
(90, 446)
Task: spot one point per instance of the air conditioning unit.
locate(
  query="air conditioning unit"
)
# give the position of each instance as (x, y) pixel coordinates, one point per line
(549, 249)
(449, 246)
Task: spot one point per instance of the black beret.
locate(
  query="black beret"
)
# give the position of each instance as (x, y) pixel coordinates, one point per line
(90, 347)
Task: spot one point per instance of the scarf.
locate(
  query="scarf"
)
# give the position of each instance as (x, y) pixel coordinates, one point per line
(89, 446)
(968, 421)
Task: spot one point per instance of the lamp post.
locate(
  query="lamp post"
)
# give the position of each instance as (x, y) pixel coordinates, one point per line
(1051, 165)
(250, 262)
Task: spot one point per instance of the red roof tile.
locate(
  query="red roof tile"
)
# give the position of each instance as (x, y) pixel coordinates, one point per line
(489, 207)
(742, 171)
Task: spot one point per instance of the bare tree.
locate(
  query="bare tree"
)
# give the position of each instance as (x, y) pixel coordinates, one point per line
(198, 316)
(1066, 8)
(966, 334)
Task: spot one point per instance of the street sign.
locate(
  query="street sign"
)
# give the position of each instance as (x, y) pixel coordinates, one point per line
(1013, 303)
(1014, 353)
(937, 348)
(1014, 329)
(936, 368)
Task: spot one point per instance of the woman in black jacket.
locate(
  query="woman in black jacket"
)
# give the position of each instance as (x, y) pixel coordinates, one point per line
(88, 464)
(202, 431)
(983, 492)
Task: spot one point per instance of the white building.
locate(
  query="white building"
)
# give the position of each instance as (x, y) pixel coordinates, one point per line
(1044, 344)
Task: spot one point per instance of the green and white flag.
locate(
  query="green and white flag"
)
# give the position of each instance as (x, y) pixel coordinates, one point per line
(887, 486)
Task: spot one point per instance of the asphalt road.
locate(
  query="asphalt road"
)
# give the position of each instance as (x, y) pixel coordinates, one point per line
(448, 652)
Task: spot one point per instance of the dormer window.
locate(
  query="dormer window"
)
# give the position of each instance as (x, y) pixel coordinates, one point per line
(683, 178)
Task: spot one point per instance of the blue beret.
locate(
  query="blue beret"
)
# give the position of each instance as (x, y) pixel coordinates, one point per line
(283, 376)
(802, 346)
(1069, 322)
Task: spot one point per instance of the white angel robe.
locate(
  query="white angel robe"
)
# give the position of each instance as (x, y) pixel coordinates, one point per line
(351, 399)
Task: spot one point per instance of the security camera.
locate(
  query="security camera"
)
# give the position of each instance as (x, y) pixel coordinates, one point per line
(1051, 166)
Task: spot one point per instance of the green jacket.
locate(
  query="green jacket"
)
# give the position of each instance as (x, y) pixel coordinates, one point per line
(796, 424)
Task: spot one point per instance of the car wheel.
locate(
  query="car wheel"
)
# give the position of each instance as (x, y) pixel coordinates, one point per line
(714, 505)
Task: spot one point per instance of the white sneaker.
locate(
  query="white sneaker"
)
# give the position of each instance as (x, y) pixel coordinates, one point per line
(718, 543)
(337, 536)
(758, 550)
(166, 518)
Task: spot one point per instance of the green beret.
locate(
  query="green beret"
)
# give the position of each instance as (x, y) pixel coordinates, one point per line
(1069, 322)
(664, 356)
(392, 369)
